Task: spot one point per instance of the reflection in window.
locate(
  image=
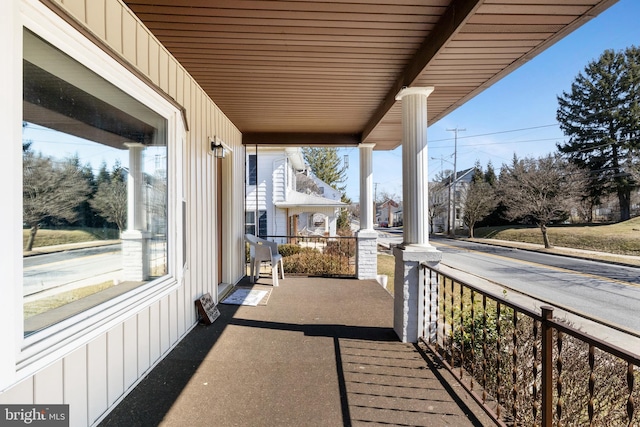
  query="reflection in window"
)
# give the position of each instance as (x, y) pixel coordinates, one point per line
(94, 188)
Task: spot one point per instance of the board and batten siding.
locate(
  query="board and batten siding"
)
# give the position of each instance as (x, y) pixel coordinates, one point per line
(97, 374)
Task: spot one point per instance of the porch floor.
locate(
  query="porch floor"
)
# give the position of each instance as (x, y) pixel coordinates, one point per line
(321, 352)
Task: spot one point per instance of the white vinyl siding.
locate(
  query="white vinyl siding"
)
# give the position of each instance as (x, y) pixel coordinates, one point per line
(95, 367)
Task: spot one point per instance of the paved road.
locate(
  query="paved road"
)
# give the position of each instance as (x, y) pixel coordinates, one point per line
(584, 267)
(596, 290)
(43, 272)
(604, 292)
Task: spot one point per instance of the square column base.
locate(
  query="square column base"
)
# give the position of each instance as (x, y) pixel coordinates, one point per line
(408, 289)
(367, 254)
(135, 255)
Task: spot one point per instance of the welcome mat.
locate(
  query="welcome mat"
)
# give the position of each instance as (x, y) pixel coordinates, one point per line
(248, 296)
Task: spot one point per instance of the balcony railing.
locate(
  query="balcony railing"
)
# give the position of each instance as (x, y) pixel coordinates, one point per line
(524, 366)
(317, 255)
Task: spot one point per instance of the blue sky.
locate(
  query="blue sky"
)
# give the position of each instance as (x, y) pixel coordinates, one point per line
(515, 115)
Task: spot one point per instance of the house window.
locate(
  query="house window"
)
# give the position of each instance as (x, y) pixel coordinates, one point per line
(94, 181)
(250, 223)
(253, 169)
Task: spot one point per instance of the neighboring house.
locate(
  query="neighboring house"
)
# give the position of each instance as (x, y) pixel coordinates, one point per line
(389, 213)
(443, 195)
(286, 197)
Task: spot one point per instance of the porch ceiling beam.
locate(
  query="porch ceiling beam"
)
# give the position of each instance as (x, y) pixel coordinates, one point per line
(452, 20)
(301, 139)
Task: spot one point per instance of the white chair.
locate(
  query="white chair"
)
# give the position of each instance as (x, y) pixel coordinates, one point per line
(261, 250)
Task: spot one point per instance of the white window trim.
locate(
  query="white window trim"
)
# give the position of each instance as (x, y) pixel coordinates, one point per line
(27, 355)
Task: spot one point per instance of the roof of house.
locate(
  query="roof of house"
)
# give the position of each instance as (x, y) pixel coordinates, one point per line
(459, 175)
(299, 202)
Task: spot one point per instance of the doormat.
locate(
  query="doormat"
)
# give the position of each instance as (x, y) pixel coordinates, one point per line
(248, 296)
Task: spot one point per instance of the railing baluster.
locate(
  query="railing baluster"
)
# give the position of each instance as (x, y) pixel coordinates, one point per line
(461, 330)
(514, 369)
(473, 339)
(630, 380)
(559, 381)
(498, 360)
(426, 318)
(452, 327)
(446, 346)
(547, 367)
(534, 406)
(437, 314)
(484, 349)
(592, 382)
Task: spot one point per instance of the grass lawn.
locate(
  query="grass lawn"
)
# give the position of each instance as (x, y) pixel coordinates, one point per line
(46, 237)
(621, 238)
(49, 303)
(386, 265)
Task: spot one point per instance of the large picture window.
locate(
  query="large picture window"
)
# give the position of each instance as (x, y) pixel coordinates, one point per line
(94, 188)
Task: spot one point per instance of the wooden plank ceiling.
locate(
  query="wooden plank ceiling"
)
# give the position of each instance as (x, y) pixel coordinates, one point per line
(326, 72)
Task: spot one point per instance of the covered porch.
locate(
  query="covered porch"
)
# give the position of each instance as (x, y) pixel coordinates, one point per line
(319, 352)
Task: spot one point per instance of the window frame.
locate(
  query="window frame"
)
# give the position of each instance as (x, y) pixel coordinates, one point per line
(33, 352)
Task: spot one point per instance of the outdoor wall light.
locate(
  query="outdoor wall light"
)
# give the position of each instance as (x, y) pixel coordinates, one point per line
(217, 148)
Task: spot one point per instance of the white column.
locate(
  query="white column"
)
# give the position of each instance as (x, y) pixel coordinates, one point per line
(135, 240)
(415, 161)
(415, 250)
(366, 186)
(367, 253)
(135, 203)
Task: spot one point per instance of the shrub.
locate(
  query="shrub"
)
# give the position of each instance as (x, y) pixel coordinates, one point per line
(289, 249)
(314, 263)
(341, 248)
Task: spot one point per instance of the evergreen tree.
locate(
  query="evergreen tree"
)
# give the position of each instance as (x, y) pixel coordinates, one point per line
(490, 175)
(328, 167)
(110, 199)
(479, 199)
(87, 217)
(601, 117)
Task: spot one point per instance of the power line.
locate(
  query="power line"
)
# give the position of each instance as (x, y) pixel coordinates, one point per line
(495, 133)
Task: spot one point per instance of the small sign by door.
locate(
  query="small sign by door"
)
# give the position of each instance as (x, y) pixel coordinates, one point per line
(207, 309)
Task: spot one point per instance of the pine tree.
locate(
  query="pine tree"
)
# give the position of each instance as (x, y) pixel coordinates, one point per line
(327, 166)
(110, 199)
(601, 117)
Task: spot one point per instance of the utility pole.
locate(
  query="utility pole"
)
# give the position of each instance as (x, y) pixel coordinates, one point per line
(452, 186)
(375, 201)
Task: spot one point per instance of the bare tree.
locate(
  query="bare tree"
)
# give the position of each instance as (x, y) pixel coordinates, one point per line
(305, 184)
(541, 190)
(50, 190)
(479, 200)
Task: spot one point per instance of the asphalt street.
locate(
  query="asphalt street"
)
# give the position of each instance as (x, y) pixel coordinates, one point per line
(604, 292)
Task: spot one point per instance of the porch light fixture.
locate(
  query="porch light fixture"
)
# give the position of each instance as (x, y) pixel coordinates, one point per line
(217, 148)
